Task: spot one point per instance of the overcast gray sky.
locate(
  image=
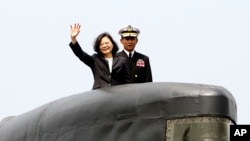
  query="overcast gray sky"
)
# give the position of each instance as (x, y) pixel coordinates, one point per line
(194, 41)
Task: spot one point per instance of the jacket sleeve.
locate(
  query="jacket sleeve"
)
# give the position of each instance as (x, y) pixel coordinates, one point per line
(148, 77)
(82, 55)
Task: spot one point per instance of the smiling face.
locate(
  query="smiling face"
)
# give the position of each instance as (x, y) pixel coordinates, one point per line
(129, 43)
(106, 47)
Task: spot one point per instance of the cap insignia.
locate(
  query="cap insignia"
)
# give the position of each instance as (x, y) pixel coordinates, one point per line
(130, 28)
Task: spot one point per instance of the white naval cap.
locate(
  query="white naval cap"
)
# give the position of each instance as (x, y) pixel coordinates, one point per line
(129, 31)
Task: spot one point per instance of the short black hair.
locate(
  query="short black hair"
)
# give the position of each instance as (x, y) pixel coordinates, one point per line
(98, 41)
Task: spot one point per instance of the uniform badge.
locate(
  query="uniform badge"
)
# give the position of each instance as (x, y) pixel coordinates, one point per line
(130, 28)
(140, 63)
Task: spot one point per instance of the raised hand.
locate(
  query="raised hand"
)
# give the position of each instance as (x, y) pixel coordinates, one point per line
(75, 30)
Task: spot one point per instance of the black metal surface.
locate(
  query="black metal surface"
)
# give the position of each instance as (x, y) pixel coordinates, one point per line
(119, 113)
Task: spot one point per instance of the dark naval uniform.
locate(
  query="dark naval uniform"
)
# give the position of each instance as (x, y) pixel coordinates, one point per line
(139, 67)
(138, 63)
